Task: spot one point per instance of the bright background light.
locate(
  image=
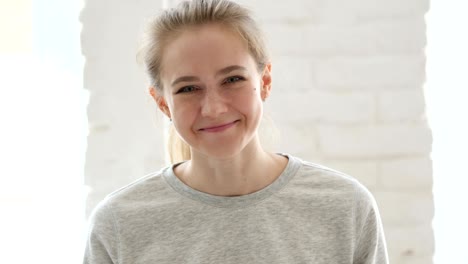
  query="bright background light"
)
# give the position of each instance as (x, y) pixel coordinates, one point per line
(447, 98)
(42, 132)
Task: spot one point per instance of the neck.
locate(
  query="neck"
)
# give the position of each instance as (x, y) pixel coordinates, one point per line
(241, 174)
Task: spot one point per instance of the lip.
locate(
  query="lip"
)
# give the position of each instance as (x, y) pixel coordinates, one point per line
(218, 128)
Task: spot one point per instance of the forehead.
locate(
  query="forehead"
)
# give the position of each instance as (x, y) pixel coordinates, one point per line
(202, 49)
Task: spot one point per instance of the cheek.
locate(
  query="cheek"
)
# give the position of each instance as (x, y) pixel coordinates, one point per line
(250, 101)
(185, 114)
(182, 112)
(250, 91)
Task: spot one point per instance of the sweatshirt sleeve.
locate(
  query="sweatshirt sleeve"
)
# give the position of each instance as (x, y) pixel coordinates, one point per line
(370, 245)
(102, 243)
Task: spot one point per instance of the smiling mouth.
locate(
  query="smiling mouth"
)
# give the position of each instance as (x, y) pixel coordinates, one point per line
(219, 128)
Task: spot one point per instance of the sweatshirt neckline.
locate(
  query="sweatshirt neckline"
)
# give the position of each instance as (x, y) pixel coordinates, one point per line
(233, 201)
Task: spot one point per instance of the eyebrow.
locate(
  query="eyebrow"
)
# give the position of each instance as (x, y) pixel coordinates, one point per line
(223, 71)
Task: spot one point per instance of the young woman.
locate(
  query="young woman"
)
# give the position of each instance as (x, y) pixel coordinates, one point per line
(229, 201)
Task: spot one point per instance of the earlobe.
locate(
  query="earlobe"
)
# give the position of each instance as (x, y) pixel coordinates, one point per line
(160, 101)
(266, 82)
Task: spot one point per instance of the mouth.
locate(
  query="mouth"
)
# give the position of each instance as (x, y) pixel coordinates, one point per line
(219, 128)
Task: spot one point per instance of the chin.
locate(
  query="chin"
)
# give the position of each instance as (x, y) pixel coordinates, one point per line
(220, 149)
(221, 152)
(225, 145)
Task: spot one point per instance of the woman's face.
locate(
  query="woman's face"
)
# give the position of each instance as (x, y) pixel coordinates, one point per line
(213, 90)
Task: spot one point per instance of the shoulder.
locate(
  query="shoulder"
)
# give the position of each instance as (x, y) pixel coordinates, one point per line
(324, 176)
(330, 182)
(151, 188)
(139, 188)
(344, 197)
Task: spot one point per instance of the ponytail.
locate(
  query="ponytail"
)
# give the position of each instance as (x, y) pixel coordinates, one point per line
(177, 148)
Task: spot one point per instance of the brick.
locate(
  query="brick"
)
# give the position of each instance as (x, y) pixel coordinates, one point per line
(292, 74)
(110, 32)
(399, 36)
(413, 260)
(122, 106)
(293, 107)
(374, 141)
(401, 106)
(371, 88)
(344, 108)
(409, 173)
(347, 12)
(408, 70)
(365, 171)
(109, 172)
(334, 11)
(323, 107)
(103, 149)
(286, 39)
(297, 139)
(281, 11)
(410, 244)
(405, 209)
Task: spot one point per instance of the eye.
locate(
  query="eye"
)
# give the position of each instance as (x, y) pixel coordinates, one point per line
(187, 89)
(234, 79)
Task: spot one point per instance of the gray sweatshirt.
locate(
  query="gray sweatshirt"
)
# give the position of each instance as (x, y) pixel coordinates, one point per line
(309, 214)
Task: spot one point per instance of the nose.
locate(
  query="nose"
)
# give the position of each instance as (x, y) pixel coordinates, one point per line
(213, 104)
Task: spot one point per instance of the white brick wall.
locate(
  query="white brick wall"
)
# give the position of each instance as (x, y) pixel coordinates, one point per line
(347, 93)
(374, 70)
(368, 141)
(125, 137)
(411, 244)
(406, 174)
(401, 106)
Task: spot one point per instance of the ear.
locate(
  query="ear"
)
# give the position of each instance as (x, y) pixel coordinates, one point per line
(266, 82)
(160, 101)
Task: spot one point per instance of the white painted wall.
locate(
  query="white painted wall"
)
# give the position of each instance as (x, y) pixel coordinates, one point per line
(348, 93)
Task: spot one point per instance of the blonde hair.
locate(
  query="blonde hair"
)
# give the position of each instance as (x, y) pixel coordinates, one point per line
(172, 22)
